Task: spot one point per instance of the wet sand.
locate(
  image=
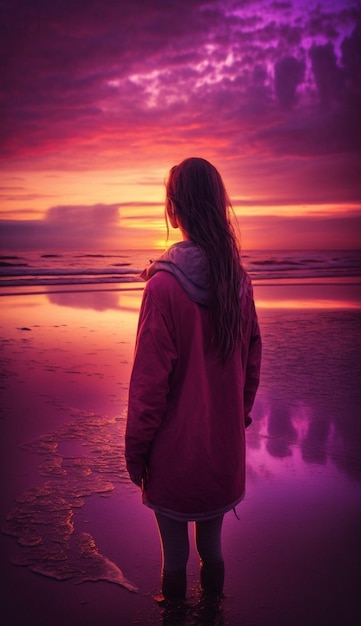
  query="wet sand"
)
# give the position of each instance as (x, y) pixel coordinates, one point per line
(70, 514)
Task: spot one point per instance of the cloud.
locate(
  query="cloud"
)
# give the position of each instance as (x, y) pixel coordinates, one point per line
(110, 61)
(351, 58)
(328, 76)
(98, 227)
(96, 85)
(64, 227)
(289, 73)
(96, 216)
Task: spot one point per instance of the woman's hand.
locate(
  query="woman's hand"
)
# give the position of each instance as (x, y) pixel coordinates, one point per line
(136, 473)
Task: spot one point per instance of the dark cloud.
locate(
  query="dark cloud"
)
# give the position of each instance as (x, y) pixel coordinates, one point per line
(328, 75)
(93, 83)
(289, 73)
(351, 60)
(97, 215)
(281, 6)
(64, 227)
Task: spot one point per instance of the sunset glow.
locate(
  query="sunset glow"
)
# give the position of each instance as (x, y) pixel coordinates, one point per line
(102, 98)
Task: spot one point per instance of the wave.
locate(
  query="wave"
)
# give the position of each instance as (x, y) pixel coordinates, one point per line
(36, 277)
(68, 272)
(82, 268)
(305, 265)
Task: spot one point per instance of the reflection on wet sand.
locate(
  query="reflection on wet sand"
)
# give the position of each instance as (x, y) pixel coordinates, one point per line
(99, 300)
(310, 392)
(309, 293)
(65, 385)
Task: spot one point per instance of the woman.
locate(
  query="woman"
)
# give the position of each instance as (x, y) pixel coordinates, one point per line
(194, 379)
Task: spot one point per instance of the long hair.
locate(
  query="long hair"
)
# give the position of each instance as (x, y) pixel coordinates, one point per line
(202, 206)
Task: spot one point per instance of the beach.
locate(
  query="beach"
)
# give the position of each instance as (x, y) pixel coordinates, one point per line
(78, 547)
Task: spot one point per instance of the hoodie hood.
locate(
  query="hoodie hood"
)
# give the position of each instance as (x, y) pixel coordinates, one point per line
(188, 263)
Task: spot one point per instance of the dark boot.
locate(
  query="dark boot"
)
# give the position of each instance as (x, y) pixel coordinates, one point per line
(174, 585)
(212, 577)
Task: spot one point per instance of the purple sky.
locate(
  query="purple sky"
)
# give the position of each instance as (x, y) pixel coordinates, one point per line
(101, 98)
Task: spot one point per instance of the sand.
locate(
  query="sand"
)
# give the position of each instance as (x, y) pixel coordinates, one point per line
(78, 547)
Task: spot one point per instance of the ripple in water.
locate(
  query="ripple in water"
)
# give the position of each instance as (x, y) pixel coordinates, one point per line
(42, 520)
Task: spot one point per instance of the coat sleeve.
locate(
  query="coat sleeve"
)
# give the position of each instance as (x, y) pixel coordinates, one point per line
(154, 359)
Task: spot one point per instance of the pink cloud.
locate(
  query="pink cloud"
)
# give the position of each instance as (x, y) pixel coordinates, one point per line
(105, 84)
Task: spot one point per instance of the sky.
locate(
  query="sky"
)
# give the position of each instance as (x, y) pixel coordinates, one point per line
(100, 98)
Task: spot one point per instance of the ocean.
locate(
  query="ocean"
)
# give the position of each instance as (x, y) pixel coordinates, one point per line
(29, 269)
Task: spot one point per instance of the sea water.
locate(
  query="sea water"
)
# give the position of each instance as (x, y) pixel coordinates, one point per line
(66, 268)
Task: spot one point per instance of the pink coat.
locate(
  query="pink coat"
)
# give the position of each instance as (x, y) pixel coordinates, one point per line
(185, 430)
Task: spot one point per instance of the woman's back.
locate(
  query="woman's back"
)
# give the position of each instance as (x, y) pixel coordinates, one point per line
(196, 412)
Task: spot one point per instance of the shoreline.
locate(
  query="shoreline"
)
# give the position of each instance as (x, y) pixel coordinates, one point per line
(351, 283)
(293, 555)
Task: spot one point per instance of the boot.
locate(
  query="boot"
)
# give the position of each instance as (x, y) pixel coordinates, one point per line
(212, 577)
(174, 585)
